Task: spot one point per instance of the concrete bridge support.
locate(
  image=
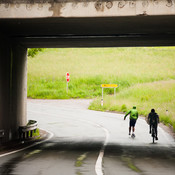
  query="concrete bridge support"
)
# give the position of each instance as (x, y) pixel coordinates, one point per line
(13, 88)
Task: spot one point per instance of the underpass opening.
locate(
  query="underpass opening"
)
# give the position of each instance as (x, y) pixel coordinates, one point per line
(138, 71)
(68, 32)
(142, 73)
(146, 86)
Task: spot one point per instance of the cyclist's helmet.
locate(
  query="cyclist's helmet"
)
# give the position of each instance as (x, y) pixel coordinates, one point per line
(153, 110)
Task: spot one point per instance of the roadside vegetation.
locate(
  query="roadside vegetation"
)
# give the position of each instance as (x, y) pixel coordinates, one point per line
(159, 95)
(146, 78)
(31, 52)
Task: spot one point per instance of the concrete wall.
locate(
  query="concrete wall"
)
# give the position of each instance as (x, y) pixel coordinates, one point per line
(84, 8)
(13, 88)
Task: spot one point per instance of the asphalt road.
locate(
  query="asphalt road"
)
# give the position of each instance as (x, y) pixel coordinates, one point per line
(88, 142)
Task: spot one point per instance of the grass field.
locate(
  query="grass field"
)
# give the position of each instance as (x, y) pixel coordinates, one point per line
(159, 95)
(145, 77)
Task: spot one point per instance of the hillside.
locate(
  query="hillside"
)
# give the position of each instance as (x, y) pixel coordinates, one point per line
(145, 77)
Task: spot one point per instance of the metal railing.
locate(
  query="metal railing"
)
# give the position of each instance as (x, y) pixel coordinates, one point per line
(27, 131)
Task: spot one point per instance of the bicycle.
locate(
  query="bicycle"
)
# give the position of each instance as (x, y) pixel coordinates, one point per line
(153, 133)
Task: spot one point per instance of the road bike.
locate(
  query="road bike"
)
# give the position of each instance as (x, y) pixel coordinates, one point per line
(153, 133)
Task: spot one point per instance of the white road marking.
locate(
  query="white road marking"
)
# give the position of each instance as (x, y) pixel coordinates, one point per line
(98, 166)
(12, 152)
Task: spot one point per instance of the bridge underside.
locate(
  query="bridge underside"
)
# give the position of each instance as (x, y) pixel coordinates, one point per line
(91, 32)
(70, 23)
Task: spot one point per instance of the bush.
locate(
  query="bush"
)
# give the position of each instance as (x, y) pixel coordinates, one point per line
(34, 51)
(123, 108)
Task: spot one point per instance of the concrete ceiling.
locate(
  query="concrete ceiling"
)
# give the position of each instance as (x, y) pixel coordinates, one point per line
(91, 32)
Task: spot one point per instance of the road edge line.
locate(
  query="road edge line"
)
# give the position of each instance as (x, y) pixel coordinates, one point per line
(99, 162)
(36, 143)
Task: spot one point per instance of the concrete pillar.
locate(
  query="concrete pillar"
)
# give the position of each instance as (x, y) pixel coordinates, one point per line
(13, 88)
(5, 63)
(18, 88)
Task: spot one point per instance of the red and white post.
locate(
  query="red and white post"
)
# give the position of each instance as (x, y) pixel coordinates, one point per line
(67, 79)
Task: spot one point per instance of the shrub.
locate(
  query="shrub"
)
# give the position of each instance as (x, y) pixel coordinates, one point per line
(123, 108)
(34, 51)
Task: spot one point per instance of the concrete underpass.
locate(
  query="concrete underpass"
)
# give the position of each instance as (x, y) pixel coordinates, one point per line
(58, 23)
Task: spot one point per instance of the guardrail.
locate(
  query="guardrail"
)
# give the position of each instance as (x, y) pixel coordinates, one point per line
(1, 135)
(27, 131)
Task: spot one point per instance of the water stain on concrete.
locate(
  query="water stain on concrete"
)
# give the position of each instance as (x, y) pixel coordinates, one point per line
(130, 164)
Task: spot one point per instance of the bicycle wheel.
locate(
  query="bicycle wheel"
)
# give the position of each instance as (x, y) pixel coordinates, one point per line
(153, 134)
(153, 139)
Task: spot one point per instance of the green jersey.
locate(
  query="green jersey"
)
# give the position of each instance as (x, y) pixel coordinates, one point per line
(133, 114)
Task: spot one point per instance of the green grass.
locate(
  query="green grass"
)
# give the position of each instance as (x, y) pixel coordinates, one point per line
(159, 95)
(141, 74)
(89, 68)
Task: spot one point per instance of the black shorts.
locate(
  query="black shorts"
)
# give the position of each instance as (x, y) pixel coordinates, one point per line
(132, 122)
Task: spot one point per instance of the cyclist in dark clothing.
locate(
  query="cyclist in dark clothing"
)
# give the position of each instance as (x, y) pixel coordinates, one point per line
(153, 120)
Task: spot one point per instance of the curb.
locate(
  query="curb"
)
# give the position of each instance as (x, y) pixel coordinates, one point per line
(48, 137)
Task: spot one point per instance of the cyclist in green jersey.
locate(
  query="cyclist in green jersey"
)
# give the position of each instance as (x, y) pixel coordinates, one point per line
(133, 118)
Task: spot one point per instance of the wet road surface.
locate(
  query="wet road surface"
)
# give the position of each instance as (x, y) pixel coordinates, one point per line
(82, 138)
